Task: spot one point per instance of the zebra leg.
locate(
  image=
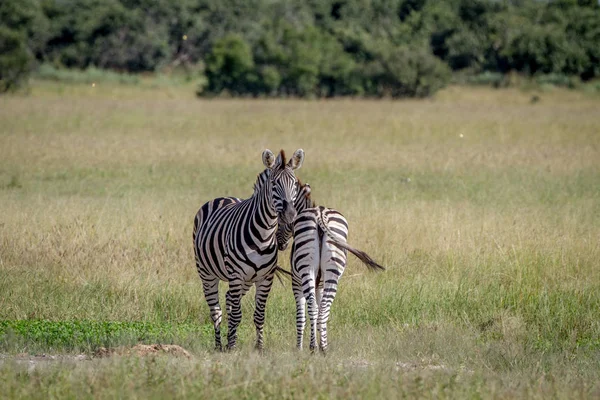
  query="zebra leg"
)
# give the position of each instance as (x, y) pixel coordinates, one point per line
(307, 273)
(262, 293)
(300, 311)
(319, 293)
(333, 262)
(319, 296)
(211, 293)
(313, 313)
(305, 259)
(330, 291)
(237, 289)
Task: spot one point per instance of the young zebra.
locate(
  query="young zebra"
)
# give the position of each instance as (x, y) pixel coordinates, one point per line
(234, 241)
(318, 260)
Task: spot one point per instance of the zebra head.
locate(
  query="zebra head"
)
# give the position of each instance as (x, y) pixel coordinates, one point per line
(303, 201)
(283, 182)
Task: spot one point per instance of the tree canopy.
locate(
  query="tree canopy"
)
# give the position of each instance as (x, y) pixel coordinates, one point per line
(306, 48)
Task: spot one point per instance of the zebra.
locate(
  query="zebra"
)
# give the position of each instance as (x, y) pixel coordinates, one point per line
(318, 259)
(234, 241)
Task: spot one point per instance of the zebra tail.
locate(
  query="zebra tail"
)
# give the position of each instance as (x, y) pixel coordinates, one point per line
(361, 255)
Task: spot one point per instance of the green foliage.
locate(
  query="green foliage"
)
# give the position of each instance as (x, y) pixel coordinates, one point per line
(14, 60)
(271, 78)
(568, 81)
(486, 78)
(316, 48)
(465, 49)
(88, 75)
(105, 34)
(314, 63)
(80, 335)
(18, 15)
(413, 72)
(229, 66)
(16, 21)
(538, 49)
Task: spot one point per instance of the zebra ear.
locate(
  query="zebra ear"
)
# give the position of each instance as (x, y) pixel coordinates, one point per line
(306, 190)
(268, 158)
(297, 159)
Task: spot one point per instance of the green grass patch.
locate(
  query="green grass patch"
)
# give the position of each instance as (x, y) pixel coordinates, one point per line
(96, 76)
(89, 75)
(55, 336)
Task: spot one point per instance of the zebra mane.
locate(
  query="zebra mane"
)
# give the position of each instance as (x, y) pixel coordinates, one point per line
(282, 155)
(261, 179)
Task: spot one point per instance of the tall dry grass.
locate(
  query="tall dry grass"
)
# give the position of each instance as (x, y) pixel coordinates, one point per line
(484, 207)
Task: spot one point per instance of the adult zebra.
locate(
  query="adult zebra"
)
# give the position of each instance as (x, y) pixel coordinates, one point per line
(234, 241)
(318, 260)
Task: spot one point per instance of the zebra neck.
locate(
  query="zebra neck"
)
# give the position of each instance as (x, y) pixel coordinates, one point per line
(304, 204)
(264, 214)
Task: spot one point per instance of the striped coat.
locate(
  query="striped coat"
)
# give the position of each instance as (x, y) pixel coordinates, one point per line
(318, 260)
(234, 241)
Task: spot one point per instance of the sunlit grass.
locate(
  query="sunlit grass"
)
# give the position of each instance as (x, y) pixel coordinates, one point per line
(491, 238)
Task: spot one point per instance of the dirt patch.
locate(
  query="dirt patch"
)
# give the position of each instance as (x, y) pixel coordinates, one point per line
(36, 360)
(412, 366)
(32, 362)
(144, 350)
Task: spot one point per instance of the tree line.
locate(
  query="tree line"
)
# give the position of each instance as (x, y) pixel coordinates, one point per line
(304, 48)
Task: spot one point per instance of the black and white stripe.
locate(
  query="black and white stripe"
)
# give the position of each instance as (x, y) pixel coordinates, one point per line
(318, 260)
(234, 241)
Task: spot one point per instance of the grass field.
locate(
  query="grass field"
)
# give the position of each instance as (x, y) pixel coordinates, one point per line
(484, 206)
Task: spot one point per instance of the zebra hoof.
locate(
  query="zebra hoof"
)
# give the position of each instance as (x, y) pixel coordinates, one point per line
(230, 348)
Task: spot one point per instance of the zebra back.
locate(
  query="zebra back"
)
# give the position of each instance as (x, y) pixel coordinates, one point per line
(304, 202)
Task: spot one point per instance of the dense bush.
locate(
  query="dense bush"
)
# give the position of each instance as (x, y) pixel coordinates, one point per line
(14, 60)
(230, 66)
(16, 25)
(314, 48)
(410, 71)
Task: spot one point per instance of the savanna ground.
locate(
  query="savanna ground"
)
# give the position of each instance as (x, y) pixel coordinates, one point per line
(484, 206)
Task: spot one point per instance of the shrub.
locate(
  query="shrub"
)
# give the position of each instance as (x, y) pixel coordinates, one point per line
(229, 65)
(271, 79)
(412, 71)
(14, 60)
(16, 25)
(465, 49)
(562, 80)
